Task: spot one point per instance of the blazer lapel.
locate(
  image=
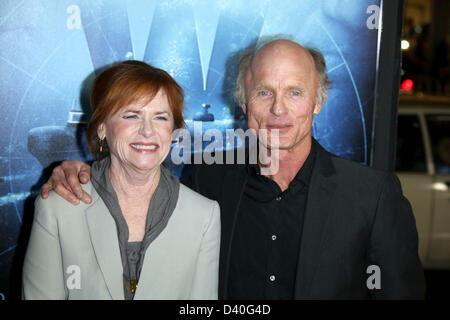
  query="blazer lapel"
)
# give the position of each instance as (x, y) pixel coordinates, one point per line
(103, 234)
(318, 208)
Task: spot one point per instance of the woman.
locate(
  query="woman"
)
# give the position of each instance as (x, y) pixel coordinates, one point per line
(144, 235)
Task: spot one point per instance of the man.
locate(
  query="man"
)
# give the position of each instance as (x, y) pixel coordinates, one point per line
(320, 227)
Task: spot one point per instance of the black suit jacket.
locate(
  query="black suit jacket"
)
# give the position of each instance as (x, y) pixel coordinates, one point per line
(356, 216)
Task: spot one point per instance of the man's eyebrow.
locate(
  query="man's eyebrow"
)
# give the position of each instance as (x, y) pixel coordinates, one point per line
(269, 87)
(262, 86)
(297, 87)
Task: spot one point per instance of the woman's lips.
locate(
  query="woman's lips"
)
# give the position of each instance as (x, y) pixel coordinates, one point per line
(144, 147)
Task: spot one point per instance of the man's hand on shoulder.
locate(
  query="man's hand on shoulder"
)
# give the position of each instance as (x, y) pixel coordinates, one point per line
(65, 181)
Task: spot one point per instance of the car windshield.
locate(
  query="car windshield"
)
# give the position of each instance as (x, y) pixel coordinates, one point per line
(410, 151)
(439, 129)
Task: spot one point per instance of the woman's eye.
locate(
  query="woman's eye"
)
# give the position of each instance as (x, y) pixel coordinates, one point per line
(161, 118)
(130, 116)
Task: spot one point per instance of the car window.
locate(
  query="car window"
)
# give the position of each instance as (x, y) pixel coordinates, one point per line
(410, 150)
(439, 130)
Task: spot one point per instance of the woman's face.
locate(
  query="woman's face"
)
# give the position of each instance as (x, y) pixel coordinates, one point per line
(139, 136)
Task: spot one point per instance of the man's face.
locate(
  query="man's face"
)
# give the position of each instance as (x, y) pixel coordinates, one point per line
(281, 88)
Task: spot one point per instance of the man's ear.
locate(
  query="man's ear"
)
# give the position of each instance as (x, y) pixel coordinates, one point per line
(317, 108)
(244, 108)
(101, 131)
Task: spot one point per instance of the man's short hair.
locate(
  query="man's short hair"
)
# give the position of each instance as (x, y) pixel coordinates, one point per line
(247, 57)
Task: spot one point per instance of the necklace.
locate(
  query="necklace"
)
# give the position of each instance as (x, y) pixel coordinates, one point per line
(133, 286)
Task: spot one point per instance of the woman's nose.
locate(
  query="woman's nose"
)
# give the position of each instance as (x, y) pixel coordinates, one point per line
(146, 129)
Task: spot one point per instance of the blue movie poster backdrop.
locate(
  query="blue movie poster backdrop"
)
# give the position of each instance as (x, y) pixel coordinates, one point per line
(50, 50)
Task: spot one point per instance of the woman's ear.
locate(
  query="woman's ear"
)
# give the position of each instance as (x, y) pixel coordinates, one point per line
(101, 131)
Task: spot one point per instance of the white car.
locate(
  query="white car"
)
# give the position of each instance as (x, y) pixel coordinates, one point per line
(423, 167)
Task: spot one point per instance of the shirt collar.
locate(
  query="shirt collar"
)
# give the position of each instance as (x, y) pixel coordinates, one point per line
(303, 175)
(305, 172)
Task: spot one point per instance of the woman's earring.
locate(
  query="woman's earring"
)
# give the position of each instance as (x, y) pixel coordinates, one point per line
(101, 143)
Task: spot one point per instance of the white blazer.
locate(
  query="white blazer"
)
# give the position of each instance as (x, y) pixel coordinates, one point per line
(73, 252)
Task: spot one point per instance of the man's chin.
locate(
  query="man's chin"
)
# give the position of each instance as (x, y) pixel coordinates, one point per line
(277, 146)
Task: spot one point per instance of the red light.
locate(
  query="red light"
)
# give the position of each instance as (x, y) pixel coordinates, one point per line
(407, 85)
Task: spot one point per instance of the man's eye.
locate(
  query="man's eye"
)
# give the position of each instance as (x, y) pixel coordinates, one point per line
(264, 93)
(296, 93)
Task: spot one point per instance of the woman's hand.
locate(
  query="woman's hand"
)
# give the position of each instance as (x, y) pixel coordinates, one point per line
(65, 181)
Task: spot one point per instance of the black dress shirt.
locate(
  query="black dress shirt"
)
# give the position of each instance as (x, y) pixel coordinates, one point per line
(266, 242)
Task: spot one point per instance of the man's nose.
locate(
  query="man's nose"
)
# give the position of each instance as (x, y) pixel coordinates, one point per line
(146, 128)
(278, 107)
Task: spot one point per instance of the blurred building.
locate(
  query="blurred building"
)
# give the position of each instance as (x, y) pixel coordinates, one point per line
(426, 30)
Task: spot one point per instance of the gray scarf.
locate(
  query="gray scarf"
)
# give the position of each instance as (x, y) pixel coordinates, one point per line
(162, 204)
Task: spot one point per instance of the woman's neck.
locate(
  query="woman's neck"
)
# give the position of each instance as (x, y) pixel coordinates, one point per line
(133, 184)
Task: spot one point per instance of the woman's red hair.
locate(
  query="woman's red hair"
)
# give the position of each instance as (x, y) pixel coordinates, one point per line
(125, 83)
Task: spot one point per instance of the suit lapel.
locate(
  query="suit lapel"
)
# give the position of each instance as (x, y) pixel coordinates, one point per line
(318, 208)
(103, 234)
(233, 187)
